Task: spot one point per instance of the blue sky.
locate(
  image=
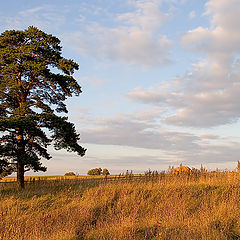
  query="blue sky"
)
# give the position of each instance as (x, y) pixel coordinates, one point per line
(160, 80)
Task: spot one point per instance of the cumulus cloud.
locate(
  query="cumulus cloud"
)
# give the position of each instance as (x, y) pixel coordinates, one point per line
(208, 95)
(136, 38)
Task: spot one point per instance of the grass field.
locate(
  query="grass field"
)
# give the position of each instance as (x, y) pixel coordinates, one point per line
(202, 206)
(37, 178)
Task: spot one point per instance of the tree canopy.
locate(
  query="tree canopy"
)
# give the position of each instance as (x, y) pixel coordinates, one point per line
(98, 171)
(105, 172)
(70, 174)
(35, 80)
(95, 171)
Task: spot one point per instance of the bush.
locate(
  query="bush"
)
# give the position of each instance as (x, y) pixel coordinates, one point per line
(95, 171)
(105, 172)
(70, 174)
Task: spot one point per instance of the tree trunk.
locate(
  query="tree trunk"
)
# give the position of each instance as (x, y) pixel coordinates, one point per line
(20, 164)
(20, 174)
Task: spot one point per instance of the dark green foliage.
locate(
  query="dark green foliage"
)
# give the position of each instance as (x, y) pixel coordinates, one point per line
(30, 94)
(5, 168)
(95, 171)
(70, 174)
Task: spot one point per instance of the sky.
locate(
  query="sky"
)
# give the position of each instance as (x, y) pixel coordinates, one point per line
(160, 80)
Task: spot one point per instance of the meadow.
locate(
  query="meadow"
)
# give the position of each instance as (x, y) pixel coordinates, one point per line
(163, 206)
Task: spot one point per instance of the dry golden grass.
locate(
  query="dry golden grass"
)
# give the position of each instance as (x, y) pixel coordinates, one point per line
(43, 178)
(167, 207)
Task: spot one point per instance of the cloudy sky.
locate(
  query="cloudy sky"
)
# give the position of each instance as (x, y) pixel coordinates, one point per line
(160, 80)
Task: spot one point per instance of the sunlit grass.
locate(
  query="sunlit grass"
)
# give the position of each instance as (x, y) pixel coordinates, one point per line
(204, 206)
(39, 178)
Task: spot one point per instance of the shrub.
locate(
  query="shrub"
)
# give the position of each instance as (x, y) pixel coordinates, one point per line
(95, 171)
(70, 174)
(105, 172)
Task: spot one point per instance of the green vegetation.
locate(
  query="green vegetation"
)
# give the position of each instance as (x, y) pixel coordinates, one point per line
(159, 206)
(35, 80)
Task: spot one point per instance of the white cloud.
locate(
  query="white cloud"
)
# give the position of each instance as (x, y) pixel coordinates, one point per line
(137, 130)
(31, 11)
(135, 40)
(209, 94)
(150, 96)
(147, 16)
(45, 17)
(165, 146)
(198, 35)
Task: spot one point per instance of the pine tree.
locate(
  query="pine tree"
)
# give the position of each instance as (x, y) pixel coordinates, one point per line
(35, 80)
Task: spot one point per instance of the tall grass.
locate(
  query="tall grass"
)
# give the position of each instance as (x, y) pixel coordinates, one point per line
(204, 206)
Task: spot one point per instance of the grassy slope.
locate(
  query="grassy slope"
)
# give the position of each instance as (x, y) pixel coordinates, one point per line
(166, 207)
